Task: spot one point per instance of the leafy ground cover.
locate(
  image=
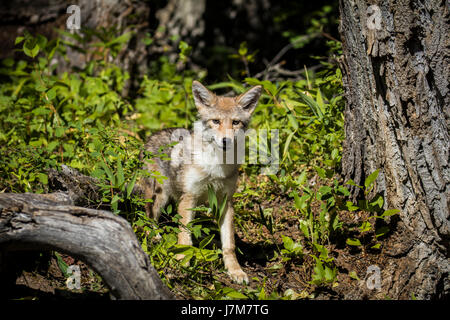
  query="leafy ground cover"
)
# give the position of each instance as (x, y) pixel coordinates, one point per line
(299, 235)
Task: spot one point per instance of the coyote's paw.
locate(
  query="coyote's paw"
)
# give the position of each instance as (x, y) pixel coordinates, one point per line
(238, 276)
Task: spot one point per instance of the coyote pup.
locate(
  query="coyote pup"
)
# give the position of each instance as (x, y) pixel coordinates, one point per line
(197, 161)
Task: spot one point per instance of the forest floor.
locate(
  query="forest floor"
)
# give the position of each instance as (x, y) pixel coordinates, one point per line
(44, 276)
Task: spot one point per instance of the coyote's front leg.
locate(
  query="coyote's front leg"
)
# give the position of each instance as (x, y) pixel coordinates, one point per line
(187, 202)
(228, 247)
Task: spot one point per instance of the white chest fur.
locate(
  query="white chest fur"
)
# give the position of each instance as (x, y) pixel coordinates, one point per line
(207, 168)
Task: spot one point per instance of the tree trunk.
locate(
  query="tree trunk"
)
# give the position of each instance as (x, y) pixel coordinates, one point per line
(99, 238)
(396, 66)
(46, 16)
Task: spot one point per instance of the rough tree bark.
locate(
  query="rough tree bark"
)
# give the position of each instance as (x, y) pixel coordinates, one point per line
(99, 238)
(396, 66)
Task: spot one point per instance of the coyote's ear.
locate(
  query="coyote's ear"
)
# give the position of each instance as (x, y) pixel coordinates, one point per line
(249, 99)
(202, 96)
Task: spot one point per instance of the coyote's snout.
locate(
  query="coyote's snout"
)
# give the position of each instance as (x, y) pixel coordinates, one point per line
(196, 162)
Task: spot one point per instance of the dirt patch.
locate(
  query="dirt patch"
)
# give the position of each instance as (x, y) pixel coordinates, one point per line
(31, 275)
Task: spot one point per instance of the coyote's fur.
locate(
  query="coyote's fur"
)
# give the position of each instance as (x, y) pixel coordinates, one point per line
(197, 162)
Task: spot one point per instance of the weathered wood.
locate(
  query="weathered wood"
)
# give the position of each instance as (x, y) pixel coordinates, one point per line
(82, 190)
(396, 70)
(99, 238)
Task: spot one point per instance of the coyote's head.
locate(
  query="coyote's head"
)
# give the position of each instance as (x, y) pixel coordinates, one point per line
(222, 117)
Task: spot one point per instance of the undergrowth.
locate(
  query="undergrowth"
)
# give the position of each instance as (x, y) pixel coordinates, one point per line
(81, 119)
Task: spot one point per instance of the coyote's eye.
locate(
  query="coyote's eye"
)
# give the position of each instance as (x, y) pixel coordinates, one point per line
(236, 122)
(215, 121)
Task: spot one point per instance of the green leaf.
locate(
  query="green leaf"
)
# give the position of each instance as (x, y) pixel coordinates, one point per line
(312, 104)
(197, 231)
(144, 245)
(41, 111)
(321, 172)
(302, 178)
(275, 268)
(352, 183)
(323, 192)
(41, 41)
(43, 178)
(115, 199)
(354, 275)
(353, 242)
(335, 222)
(170, 240)
(206, 241)
(286, 144)
(51, 93)
(18, 40)
(59, 131)
(212, 198)
(371, 178)
(98, 173)
(292, 121)
(288, 243)
(62, 265)
(304, 227)
(300, 202)
(186, 259)
(233, 294)
(120, 175)
(222, 208)
(179, 248)
(262, 294)
(52, 145)
(51, 49)
(243, 49)
(378, 201)
(319, 272)
(329, 274)
(320, 102)
(109, 173)
(39, 87)
(31, 48)
(365, 226)
(343, 190)
(119, 40)
(131, 184)
(334, 153)
(390, 212)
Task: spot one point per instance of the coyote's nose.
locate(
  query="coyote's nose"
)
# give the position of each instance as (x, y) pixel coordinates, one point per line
(226, 142)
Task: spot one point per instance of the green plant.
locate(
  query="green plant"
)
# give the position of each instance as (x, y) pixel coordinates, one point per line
(324, 271)
(245, 57)
(203, 226)
(319, 227)
(291, 250)
(369, 231)
(82, 119)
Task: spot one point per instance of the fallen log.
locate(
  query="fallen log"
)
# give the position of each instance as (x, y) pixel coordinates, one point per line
(82, 190)
(99, 238)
